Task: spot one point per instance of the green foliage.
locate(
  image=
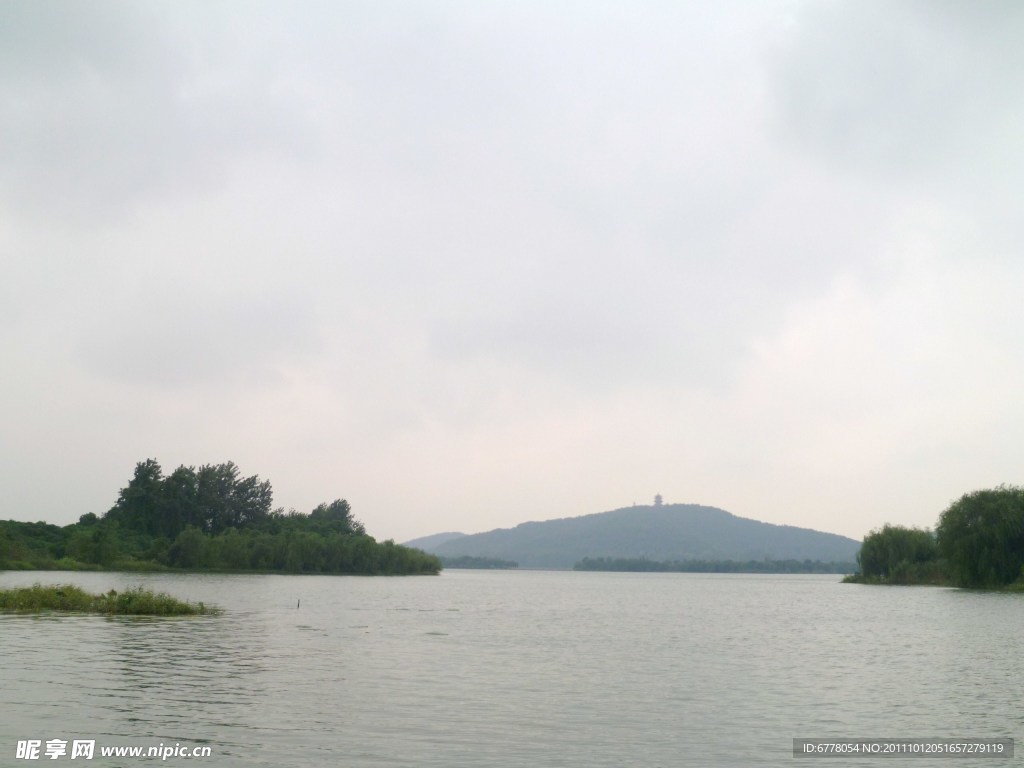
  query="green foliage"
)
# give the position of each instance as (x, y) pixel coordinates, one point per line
(27, 546)
(335, 517)
(213, 498)
(643, 565)
(67, 597)
(981, 536)
(900, 555)
(138, 504)
(207, 519)
(187, 549)
(978, 543)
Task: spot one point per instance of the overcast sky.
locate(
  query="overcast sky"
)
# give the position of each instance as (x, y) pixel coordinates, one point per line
(468, 264)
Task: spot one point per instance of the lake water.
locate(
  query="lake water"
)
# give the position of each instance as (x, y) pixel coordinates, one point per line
(515, 668)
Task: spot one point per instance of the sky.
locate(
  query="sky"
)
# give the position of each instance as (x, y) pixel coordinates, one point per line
(469, 264)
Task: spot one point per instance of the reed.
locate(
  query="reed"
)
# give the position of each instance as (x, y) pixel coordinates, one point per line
(136, 601)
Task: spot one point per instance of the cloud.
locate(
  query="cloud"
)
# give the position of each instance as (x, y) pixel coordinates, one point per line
(176, 338)
(912, 91)
(105, 107)
(468, 264)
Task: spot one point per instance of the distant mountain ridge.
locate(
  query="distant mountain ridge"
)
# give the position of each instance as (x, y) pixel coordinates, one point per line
(663, 532)
(428, 543)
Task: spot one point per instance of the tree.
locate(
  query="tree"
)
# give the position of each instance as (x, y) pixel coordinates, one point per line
(138, 504)
(227, 501)
(216, 484)
(981, 536)
(897, 554)
(11, 549)
(187, 549)
(251, 502)
(232, 550)
(335, 517)
(98, 544)
(179, 502)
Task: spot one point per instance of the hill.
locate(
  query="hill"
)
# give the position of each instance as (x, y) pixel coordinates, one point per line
(678, 532)
(427, 543)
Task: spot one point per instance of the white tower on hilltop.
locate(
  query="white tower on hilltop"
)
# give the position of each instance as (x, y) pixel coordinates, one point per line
(657, 499)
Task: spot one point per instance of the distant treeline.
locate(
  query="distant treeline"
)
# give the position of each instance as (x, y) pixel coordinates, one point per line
(465, 561)
(978, 543)
(640, 564)
(208, 518)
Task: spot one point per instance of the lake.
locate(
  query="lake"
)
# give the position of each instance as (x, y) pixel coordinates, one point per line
(515, 668)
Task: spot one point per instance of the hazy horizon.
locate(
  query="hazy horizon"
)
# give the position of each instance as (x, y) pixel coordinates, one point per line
(469, 265)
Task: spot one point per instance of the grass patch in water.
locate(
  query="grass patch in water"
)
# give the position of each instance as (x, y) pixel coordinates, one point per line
(136, 601)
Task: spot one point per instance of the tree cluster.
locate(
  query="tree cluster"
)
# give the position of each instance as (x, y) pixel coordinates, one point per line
(209, 518)
(212, 498)
(978, 543)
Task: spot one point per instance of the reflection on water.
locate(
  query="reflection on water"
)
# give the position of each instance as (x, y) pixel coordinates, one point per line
(516, 668)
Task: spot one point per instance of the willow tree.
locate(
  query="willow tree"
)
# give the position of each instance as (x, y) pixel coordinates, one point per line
(897, 554)
(981, 537)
